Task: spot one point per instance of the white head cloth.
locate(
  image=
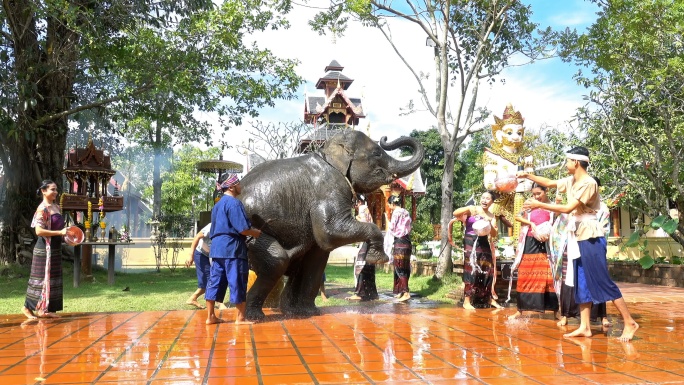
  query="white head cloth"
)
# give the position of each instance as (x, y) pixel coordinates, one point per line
(577, 157)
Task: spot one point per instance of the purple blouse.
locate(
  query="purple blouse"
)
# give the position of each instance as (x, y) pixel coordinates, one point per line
(471, 220)
(56, 222)
(469, 224)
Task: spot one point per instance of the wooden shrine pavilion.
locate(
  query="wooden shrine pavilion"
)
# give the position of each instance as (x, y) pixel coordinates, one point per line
(336, 111)
(89, 171)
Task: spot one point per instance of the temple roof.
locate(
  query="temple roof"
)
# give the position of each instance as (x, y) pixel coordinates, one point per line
(317, 104)
(337, 76)
(89, 159)
(333, 72)
(333, 66)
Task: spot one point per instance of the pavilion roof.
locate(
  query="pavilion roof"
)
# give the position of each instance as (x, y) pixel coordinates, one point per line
(89, 160)
(316, 105)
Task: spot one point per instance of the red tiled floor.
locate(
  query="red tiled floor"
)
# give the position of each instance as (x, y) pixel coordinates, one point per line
(233, 371)
(341, 378)
(383, 344)
(286, 360)
(282, 369)
(290, 379)
(555, 380)
(611, 378)
(659, 377)
(253, 380)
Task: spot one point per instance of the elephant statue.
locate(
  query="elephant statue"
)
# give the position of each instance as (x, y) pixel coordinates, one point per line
(303, 206)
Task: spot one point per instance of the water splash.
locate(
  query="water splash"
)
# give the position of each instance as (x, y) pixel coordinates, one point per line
(519, 323)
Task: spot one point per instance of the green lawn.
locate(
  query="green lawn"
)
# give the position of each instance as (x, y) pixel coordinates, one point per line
(169, 290)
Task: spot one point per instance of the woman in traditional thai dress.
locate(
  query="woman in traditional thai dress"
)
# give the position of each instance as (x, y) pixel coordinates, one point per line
(44, 295)
(366, 290)
(535, 282)
(479, 267)
(400, 228)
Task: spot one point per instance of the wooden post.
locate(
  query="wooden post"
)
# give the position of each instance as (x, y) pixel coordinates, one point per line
(111, 256)
(615, 219)
(77, 265)
(86, 261)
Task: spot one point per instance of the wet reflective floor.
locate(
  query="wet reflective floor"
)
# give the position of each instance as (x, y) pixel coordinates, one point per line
(375, 344)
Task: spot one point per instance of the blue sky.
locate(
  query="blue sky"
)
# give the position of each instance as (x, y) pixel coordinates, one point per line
(544, 92)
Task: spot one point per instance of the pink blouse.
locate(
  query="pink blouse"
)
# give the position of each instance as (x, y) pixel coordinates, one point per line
(539, 216)
(400, 225)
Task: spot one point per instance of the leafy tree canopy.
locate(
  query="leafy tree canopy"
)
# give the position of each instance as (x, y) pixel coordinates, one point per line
(635, 116)
(186, 191)
(153, 63)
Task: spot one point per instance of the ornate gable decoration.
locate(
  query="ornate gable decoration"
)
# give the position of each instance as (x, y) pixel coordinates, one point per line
(89, 159)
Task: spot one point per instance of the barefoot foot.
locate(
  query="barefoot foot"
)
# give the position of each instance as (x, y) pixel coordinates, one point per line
(215, 320)
(468, 306)
(195, 304)
(628, 332)
(514, 316)
(581, 331)
(48, 315)
(28, 313)
(404, 297)
(563, 321)
(605, 322)
(243, 322)
(353, 298)
(495, 304)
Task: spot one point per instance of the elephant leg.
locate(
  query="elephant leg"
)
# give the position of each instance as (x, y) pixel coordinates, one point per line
(335, 228)
(304, 281)
(269, 260)
(289, 296)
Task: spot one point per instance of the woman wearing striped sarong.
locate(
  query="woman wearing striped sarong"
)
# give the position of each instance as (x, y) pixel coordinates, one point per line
(535, 286)
(364, 273)
(44, 295)
(479, 267)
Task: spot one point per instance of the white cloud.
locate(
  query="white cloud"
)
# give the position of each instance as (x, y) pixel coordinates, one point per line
(544, 92)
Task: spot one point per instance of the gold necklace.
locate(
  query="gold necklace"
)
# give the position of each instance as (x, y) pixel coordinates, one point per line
(497, 149)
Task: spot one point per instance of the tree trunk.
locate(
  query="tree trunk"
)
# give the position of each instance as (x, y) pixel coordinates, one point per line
(35, 151)
(445, 266)
(156, 173)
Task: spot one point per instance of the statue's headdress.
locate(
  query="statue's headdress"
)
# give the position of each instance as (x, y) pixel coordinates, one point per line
(510, 116)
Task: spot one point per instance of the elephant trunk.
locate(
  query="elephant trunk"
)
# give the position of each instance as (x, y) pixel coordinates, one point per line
(406, 167)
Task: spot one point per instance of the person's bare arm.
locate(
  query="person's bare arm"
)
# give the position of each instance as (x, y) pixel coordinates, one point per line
(563, 209)
(193, 246)
(461, 211)
(254, 233)
(523, 220)
(540, 180)
(41, 232)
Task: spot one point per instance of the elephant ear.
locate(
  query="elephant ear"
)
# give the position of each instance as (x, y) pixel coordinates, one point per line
(339, 151)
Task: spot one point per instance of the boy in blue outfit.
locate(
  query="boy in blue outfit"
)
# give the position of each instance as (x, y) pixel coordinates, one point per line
(201, 245)
(229, 268)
